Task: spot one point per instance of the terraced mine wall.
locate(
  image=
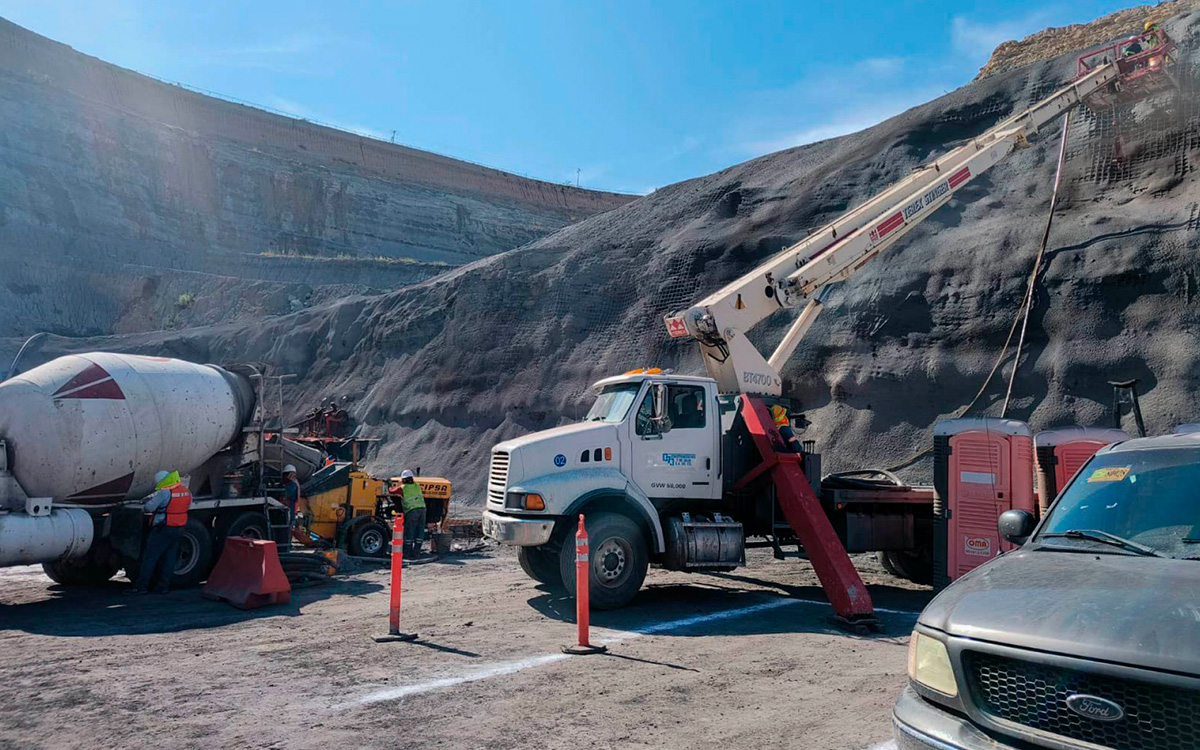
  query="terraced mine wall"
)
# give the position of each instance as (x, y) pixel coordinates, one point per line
(106, 171)
(444, 369)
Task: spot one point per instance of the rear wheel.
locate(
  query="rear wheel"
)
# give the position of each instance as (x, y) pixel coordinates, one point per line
(195, 559)
(369, 539)
(540, 564)
(911, 566)
(617, 561)
(251, 525)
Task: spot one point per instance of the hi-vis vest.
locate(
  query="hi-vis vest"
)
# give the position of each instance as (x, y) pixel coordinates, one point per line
(412, 497)
(177, 508)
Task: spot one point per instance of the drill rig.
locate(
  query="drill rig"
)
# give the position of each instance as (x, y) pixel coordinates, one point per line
(679, 470)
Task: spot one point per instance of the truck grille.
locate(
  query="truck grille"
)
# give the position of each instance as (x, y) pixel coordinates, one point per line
(498, 477)
(1157, 717)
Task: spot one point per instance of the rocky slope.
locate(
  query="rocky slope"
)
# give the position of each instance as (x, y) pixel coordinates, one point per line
(122, 197)
(510, 343)
(1052, 42)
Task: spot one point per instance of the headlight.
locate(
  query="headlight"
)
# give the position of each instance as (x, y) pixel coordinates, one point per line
(929, 664)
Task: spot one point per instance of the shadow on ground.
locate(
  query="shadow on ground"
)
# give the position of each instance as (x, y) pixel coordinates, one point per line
(812, 613)
(112, 610)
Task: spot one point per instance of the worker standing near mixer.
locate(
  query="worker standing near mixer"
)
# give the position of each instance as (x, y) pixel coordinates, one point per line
(291, 493)
(412, 503)
(169, 505)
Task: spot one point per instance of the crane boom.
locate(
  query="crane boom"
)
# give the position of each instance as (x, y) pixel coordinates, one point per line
(838, 250)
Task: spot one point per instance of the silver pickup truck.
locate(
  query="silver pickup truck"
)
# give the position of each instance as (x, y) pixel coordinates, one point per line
(1087, 635)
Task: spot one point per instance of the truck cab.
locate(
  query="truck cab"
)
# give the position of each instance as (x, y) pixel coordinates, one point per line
(648, 451)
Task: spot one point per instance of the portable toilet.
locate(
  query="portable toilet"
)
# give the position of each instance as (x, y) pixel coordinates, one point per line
(982, 467)
(1060, 452)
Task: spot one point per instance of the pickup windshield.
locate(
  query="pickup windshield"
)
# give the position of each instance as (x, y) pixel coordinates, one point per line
(613, 402)
(1149, 498)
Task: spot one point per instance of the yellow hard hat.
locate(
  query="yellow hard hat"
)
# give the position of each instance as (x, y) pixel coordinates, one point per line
(166, 479)
(778, 411)
(1149, 25)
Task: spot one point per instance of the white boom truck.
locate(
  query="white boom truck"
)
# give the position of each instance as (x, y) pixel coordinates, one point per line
(679, 470)
(82, 436)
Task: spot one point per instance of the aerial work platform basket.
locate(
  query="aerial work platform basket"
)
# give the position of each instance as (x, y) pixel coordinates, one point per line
(1145, 66)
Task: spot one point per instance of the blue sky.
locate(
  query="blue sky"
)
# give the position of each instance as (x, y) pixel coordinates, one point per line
(633, 94)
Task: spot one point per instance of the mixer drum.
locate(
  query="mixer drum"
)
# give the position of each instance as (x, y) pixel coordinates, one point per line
(93, 429)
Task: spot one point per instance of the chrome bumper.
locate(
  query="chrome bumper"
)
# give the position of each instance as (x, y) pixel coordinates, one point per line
(519, 532)
(920, 725)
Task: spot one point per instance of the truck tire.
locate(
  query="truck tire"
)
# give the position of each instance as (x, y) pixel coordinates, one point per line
(911, 566)
(251, 524)
(79, 573)
(195, 555)
(540, 564)
(617, 560)
(370, 539)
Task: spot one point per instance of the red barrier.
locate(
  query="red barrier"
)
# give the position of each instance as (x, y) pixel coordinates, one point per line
(582, 608)
(248, 575)
(394, 633)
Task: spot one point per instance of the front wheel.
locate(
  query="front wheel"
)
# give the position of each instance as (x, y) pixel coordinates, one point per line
(540, 564)
(369, 539)
(195, 559)
(617, 560)
(86, 572)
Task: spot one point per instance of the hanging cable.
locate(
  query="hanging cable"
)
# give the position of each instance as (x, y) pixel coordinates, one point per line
(1022, 315)
(1037, 264)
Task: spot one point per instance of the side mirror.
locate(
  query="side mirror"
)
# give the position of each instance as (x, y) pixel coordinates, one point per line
(1016, 525)
(661, 423)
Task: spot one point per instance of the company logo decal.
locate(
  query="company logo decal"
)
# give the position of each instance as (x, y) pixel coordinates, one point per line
(1094, 707)
(560, 460)
(679, 459)
(978, 545)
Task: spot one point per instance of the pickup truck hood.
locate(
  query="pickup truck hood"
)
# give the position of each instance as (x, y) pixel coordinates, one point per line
(1140, 611)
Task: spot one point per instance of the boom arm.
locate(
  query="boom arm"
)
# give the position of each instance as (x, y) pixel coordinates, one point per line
(801, 272)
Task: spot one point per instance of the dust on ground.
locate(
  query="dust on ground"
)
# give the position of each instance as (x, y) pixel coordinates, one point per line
(102, 668)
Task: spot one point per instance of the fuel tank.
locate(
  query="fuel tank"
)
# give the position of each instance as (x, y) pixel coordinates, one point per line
(91, 430)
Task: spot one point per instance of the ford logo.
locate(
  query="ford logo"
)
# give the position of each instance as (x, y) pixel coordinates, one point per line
(1100, 709)
(560, 460)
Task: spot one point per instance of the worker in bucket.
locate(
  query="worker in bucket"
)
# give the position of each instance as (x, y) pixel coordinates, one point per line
(412, 502)
(168, 505)
(783, 423)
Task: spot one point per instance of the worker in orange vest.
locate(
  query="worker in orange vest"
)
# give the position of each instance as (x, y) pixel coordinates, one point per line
(168, 506)
(783, 423)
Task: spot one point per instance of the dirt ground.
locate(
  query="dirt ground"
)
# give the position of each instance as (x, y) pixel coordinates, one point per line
(748, 659)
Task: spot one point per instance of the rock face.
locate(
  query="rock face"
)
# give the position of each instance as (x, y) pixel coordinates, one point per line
(1052, 42)
(120, 194)
(444, 369)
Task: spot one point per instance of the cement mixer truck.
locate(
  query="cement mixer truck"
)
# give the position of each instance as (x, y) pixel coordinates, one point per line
(81, 438)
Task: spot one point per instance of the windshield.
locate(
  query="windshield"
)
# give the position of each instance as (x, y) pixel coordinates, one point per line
(613, 402)
(1148, 497)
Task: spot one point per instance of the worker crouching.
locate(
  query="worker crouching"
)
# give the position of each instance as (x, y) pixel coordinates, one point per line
(169, 505)
(412, 503)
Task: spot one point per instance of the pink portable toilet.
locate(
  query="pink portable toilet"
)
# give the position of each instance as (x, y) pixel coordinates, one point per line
(1060, 452)
(981, 468)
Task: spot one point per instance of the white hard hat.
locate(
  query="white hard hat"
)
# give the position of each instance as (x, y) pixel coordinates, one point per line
(406, 474)
(161, 476)
(289, 469)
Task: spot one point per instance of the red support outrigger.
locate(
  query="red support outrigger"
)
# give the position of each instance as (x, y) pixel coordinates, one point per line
(802, 509)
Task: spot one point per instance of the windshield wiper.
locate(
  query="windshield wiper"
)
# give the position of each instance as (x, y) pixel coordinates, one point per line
(1096, 535)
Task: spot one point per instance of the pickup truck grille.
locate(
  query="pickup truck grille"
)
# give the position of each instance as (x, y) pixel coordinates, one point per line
(1157, 717)
(497, 477)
